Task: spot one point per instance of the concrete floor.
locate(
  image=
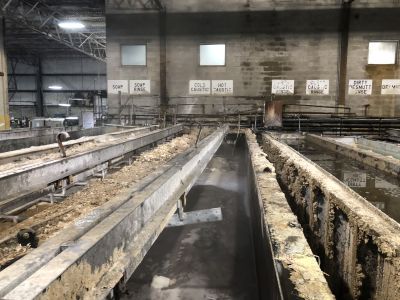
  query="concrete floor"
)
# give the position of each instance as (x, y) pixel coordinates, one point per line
(205, 260)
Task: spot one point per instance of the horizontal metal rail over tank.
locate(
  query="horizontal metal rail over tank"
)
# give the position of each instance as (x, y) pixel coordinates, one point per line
(19, 182)
(107, 253)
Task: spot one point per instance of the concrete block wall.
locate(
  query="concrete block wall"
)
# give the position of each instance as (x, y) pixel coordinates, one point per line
(265, 40)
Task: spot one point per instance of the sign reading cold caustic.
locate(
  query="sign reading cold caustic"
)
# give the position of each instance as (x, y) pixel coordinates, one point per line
(116, 86)
(317, 87)
(390, 87)
(139, 87)
(222, 87)
(283, 87)
(199, 87)
(360, 87)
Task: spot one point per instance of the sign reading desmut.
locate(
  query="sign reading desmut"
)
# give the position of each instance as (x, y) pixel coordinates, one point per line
(199, 87)
(390, 87)
(283, 87)
(139, 87)
(222, 87)
(317, 87)
(116, 86)
(360, 87)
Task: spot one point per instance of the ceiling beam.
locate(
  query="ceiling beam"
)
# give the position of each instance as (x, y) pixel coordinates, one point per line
(43, 19)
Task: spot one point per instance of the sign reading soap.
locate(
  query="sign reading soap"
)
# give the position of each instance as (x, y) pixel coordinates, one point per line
(140, 87)
(118, 86)
(360, 87)
(222, 87)
(317, 87)
(199, 87)
(283, 87)
(390, 87)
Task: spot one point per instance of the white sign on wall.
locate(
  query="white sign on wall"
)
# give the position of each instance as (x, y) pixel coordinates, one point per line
(139, 87)
(222, 87)
(355, 179)
(116, 86)
(360, 87)
(283, 87)
(390, 87)
(317, 87)
(199, 87)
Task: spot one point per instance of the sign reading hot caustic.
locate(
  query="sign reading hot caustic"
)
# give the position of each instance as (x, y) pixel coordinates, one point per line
(360, 87)
(139, 87)
(117, 86)
(283, 87)
(390, 87)
(317, 87)
(222, 87)
(199, 87)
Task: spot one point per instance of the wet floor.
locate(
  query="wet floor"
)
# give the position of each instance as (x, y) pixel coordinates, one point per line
(378, 187)
(211, 260)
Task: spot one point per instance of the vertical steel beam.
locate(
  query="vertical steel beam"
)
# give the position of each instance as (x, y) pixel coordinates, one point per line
(163, 61)
(39, 89)
(4, 107)
(343, 50)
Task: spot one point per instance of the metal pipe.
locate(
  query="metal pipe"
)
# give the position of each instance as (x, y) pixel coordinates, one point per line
(62, 137)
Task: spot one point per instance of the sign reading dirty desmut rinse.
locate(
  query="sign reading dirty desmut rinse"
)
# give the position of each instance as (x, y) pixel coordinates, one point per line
(139, 87)
(116, 86)
(282, 87)
(199, 87)
(390, 87)
(360, 87)
(222, 87)
(317, 87)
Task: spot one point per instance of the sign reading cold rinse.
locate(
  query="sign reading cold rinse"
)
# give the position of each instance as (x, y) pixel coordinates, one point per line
(283, 87)
(360, 87)
(317, 87)
(390, 87)
(199, 87)
(116, 86)
(222, 87)
(139, 87)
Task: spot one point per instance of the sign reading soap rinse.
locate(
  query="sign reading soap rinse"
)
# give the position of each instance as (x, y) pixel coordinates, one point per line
(282, 87)
(139, 87)
(360, 87)
(222, 87)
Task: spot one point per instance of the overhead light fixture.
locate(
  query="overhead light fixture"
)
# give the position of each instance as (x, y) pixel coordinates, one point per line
(64, 104)
(55, 87)
(72, 118)
(71, 25)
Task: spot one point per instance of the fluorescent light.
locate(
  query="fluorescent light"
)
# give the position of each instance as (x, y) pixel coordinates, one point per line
(55, 87)
(64, 104)
(72, 118)
(71, 25)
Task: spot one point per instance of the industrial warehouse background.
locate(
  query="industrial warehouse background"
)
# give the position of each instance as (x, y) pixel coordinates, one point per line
(198, 149)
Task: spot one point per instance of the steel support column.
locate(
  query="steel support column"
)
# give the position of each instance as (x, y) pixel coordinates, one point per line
(4, 107)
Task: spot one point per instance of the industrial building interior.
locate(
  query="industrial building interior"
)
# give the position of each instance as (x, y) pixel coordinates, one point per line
(199, 149)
